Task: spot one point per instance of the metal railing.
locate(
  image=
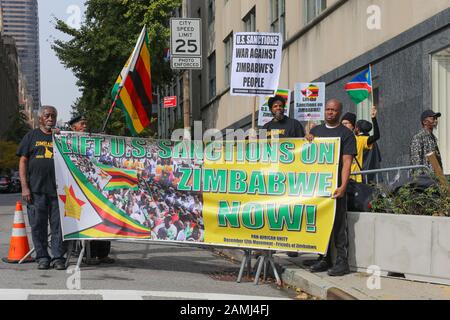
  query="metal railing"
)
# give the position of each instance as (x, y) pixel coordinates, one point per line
(385, 175)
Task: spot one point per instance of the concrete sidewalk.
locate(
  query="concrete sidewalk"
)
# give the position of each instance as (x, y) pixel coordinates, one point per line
(352, 286)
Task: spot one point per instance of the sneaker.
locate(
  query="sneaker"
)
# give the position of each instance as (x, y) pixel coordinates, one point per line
(106, 260)
(59, 264)
(292, 254)
(44, 265)
(320, 266)
(340, 269)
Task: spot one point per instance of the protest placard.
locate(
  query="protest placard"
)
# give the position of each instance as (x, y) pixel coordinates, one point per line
(309, 102)
(256, 64)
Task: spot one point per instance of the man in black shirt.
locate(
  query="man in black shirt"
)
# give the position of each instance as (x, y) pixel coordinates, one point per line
(333, 128)
(281, 125)
(37, 176)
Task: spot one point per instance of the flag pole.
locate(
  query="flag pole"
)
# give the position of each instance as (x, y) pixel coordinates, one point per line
(253, 131)
(371, 81)
(113, 106)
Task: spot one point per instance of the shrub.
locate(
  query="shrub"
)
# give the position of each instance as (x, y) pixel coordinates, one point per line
(433, 201)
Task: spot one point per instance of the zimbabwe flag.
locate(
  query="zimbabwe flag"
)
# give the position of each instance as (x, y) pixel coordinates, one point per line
(120, 178)
(134, 85)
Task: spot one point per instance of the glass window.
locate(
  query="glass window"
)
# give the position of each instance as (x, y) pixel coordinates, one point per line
(211, 11)
(313, 8)
(250, 21)
(278, 17)
(212, 75)
(441, 102)
(228, 58)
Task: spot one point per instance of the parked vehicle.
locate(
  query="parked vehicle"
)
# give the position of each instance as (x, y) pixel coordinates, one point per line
(8, 184)
(17, 186)
(5, 184)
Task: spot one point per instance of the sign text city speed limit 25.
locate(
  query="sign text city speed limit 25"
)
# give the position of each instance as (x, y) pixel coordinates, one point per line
(185, 43)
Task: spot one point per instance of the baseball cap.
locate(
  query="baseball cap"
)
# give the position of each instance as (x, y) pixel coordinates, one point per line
(76, 119)
(430, 113)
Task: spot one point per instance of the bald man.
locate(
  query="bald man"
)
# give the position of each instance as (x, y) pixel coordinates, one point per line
(333, 128)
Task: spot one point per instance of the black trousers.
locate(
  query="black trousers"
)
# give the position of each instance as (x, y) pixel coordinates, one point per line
(100, 249)
(339, 235)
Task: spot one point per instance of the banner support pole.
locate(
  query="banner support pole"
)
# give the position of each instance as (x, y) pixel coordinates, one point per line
(253, 135)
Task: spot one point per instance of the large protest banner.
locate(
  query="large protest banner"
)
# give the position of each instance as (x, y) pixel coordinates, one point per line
(256, 64)
(258, 194)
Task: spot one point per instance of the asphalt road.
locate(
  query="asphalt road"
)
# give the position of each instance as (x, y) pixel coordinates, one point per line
(142, 271)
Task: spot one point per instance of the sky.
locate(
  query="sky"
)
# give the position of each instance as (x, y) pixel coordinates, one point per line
(58, 85)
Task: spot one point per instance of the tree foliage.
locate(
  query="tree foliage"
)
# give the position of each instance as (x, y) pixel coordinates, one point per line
(19, 126)
(8, 159)
(97, 52)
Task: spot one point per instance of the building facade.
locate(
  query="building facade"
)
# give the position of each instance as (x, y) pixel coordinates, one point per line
(20, 20)
(407, 43)
(8, 83)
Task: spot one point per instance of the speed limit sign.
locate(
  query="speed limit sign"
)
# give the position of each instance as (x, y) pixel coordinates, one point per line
(185, 43)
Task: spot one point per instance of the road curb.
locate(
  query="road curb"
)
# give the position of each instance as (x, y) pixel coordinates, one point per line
(296, 277)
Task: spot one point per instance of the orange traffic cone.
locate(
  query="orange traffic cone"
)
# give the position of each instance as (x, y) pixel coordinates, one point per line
(18, 247)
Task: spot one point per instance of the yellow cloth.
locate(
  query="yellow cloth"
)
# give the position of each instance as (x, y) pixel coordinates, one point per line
(361, 146)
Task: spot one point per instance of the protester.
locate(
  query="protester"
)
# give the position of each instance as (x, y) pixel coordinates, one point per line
(372, 156)
(333, 128)
(99, 249)
(349, 120)
(364, 142)
(281, 125)
(425, 142)
(37, 176)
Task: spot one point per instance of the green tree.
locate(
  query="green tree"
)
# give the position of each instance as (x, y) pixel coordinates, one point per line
(8, 159)
(97, 52)
(19, 126)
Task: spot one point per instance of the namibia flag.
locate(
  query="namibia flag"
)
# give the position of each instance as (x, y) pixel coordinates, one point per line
(132, 91)
(360, 88)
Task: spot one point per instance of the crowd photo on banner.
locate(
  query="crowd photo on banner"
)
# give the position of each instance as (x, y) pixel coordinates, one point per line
(146, 190)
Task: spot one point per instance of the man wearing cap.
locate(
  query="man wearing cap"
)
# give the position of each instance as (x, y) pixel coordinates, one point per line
(78, 123)
(425, 142)
(99, 249)
(281, 125)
